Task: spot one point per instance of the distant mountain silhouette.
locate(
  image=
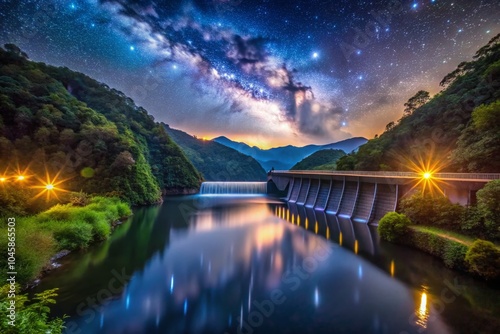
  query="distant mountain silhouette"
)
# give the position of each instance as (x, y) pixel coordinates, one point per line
(283, 158)
(217, 162)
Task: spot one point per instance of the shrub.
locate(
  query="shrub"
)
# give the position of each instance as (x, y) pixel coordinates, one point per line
(79, 199)
(57, 212)
(418, 208)
(450, 251)
(72, 235)
(393, 226)
(488, 205)
(101, 230)
(123, 210)
(32, 316)
(432, 211)
(454, 254)
(483, 259)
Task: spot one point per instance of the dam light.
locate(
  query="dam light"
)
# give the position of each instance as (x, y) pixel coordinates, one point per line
(3, 179)
(21, 177)
(49, 186)
(427, 175)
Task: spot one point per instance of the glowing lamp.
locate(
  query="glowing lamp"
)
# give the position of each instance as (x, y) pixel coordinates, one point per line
(2, 179)
(427, 175)
(49, 186)
(20, 177)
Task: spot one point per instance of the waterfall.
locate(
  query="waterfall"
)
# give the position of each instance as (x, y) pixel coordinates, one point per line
(233, 188)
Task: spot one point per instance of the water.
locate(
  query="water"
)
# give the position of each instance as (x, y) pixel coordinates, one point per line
(203, 264)
(233, 188)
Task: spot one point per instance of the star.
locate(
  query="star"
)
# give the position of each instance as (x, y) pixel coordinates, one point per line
(132, 48)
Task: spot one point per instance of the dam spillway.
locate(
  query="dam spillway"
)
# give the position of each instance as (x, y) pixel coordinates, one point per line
(233, 188)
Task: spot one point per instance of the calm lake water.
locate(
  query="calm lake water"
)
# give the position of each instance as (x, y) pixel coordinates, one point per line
(256, 265)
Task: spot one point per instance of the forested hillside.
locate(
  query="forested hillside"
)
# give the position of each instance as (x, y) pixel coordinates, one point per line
(320, 160)
(54, 121)
(458, 129)
(215, 161)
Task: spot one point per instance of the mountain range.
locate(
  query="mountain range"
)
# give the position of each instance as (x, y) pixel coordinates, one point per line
(215, 161)
(283, 158)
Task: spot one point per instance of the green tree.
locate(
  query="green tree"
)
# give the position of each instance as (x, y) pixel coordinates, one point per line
(488, 204)
(416, 101)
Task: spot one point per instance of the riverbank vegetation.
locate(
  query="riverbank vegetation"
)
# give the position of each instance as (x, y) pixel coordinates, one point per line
(31, 316)
(63, 227)
(465, 238)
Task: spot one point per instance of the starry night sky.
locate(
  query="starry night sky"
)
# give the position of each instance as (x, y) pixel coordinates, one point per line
(265, 72)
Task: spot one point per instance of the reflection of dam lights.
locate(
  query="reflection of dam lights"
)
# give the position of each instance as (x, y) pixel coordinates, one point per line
(307, 223)
(393, 268)
(298, 220)
(287, 214)
(356, 246)
(422, 313)
(316, 227)
(328, 233)
(340, 238)
(293, 219)
(172, 284)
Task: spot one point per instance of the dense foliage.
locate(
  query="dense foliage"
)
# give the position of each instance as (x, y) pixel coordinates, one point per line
(62, 227)
(32, 316)
(58, 121)
(217, 162)
(460, 125)
(479, 221)
(451, 250)
(432, 211)
(320, 160)
(393, 226)
(483, 259)
(488, 207)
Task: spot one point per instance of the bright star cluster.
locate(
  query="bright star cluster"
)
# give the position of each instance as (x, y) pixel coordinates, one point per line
(265, 72)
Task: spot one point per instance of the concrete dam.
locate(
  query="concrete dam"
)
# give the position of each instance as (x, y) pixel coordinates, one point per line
(367, 196)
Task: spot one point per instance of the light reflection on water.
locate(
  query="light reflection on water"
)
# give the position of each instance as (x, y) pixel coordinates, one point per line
(202, 265)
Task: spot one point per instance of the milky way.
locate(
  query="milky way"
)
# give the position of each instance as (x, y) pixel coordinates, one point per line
(266, 72)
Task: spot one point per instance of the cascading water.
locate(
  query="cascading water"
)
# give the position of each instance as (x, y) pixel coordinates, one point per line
(233, 188)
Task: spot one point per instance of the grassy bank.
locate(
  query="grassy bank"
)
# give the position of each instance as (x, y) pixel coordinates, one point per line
(448, 246)
(478, 257)
(62, 227)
